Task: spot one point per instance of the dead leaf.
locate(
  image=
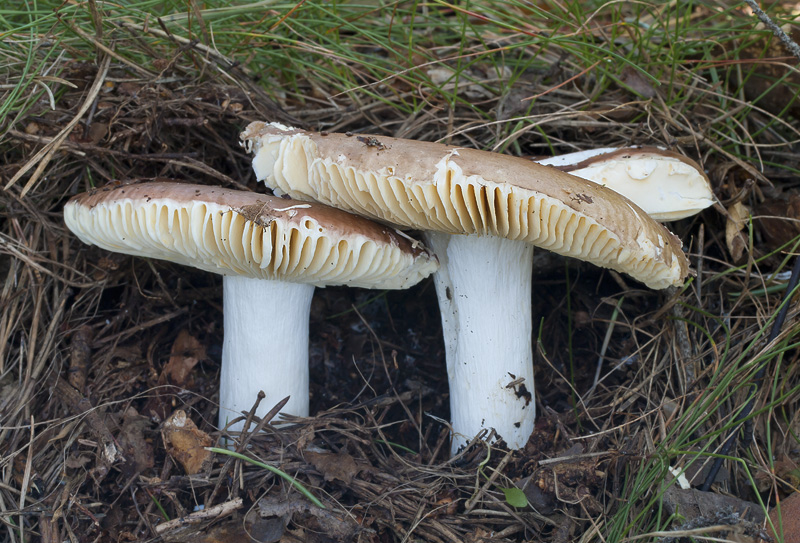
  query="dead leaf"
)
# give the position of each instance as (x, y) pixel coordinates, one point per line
(107, 264)
(637, 83)
(335, 525)
(185, 442)
(74, 461)
(543, 503)
(267, 530)
(186, 353)
(137, 450)
(340, 466)
(80, 357)
(738, 215)
(788, 525)
(97, 131)
(446, 503)
(693, 504)
(785, 470)
(306, 437)
(298, 534)
(130, 88)
(779, 220)
(161, 64)
(478, 535)
(18, 469)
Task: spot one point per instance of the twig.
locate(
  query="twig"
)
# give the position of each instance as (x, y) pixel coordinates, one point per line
(107, 50)
(245, 436)
(26, 479)
(82, 149)
(81, 406)
(266, 419)
(472, 502)
(10, 246)
(410, 416)
(604, 349)
(188, 162)
(214, 512)
(790, 44)
(193, 44)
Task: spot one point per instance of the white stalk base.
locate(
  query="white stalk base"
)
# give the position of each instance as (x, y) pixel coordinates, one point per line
(265, 347)
(484, 291)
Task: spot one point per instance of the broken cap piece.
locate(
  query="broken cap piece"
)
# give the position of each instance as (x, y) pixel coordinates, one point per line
(666, 185)
(271, 251)
(431, 186)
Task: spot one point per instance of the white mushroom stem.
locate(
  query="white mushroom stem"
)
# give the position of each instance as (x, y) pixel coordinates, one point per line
(484, 290)
(265, 346)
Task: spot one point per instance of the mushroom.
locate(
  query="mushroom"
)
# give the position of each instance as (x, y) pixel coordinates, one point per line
(666, 185)
(505, 205)
(271, 251)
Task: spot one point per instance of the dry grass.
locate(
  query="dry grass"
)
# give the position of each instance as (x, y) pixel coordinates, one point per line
(86, 336)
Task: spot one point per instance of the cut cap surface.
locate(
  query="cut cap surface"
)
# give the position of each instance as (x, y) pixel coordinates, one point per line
(244, 233)
(431, 186)
(666, 185)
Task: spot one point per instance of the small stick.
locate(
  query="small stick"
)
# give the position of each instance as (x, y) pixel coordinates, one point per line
(790, 44)
(470, 503)
(604, 348)
(211, 513)
(246, 438)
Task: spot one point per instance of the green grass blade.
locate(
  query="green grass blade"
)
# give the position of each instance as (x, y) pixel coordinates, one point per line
(295, 483)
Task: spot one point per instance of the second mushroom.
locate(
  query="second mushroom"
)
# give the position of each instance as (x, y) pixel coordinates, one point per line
(271, 252)
(482, 213)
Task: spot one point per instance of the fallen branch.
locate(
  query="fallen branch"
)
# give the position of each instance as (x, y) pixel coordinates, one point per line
(214, 512)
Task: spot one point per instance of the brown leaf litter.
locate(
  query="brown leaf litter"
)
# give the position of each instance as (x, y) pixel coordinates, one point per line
(186, 443)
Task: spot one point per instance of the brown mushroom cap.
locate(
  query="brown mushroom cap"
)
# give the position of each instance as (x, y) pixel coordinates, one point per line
(432, 186)
(234, 232)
